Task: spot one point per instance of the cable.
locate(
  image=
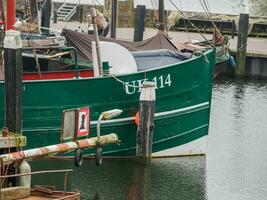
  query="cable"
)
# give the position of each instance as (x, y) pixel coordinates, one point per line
(190, 21)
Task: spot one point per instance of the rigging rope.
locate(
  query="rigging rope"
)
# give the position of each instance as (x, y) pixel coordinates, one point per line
(124, 83)
(187, 30)
(206, 9)
(191, 23)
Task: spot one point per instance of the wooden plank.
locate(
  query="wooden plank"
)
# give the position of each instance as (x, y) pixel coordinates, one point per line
(12, 193)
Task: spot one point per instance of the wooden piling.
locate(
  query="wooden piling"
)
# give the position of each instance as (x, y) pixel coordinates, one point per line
(114, 19)
(46, 15)
(33, 8)
(139, 23)
(80, 13)
(55, 17)
(13, 81)
(161, 15)
(144, 137)
(233, 29)
(242, 44)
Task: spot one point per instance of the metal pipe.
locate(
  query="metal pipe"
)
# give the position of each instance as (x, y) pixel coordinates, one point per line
(59, 148)
(98, 127)
(75, 60)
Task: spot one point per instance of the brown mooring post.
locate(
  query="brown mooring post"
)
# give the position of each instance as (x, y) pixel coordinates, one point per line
(80, 13)
(13, 88)
(13, 81)
(33, 8)
(46, 15)
(139, 23)
(161, 15)
(145, 129)
(55, 16)
(242, 44)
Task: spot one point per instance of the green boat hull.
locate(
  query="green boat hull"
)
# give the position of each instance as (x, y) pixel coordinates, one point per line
(183, 95)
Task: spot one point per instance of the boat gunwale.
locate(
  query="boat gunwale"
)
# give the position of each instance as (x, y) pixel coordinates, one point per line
(123, 121)
(122, 75)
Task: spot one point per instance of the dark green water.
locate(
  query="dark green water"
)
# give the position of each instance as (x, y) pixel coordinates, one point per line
(235, 167)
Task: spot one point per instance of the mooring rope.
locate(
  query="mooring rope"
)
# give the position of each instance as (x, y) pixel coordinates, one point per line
(123, 82)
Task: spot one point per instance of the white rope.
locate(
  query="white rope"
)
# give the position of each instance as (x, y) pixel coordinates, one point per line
(124, 83)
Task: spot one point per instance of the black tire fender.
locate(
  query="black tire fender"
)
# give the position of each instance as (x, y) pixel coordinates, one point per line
(98, 156)
(78, 158)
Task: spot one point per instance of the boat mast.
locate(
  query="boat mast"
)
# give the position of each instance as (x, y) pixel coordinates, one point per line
(10, 14)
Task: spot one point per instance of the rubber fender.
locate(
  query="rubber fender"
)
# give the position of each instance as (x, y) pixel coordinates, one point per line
(25, 181)
(231, 62)
(78, 158)
(98, 156)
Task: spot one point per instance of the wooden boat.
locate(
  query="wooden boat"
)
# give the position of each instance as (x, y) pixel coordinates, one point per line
(38, 193)
(23, 188)
(183, 101)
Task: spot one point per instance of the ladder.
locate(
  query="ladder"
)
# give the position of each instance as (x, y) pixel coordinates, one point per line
(66, 11)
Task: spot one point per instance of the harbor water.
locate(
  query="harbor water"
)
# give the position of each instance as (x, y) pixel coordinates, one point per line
(235, 167)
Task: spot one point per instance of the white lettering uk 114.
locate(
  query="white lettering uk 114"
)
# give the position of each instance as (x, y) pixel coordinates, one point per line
(161, 81)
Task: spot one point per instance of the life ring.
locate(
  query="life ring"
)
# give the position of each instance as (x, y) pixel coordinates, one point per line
(98, 156)
(78, 158)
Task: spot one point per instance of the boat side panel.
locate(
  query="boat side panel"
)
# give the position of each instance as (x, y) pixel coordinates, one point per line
(178, 87)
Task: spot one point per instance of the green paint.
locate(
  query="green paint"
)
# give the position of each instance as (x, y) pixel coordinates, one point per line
(179, 86)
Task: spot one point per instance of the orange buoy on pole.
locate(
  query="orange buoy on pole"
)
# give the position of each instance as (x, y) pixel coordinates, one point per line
(136, 118)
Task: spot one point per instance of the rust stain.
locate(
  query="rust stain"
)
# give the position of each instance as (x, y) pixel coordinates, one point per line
(44, 150)
(18, 155)
(83, 144)
(63, 147)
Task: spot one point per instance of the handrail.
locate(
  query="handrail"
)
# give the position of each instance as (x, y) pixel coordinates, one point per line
(75, 59)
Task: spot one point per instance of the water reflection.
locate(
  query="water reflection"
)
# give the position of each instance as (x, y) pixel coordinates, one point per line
(175, 178)
(236, 157)
(141, 183)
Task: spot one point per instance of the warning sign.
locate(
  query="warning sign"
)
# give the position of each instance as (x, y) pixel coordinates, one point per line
(83, 122)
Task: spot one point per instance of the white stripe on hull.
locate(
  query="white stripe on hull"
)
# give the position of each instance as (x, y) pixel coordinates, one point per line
(196, 147)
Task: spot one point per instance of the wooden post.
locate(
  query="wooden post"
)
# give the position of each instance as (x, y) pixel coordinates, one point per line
(98, 52)
(46, 15)
(33, 8)
(13, 81)
(242, 44)
(55, 17)
(161, 15)
(233, 29)
(80, 13)
(144, 138)
(139, 23)
(114, 19)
